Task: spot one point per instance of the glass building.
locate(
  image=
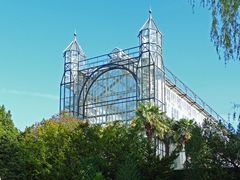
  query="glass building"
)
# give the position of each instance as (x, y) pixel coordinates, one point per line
(109, 87)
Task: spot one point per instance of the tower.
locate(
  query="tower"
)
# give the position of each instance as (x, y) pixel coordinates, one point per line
(151, 71)
(73, 55)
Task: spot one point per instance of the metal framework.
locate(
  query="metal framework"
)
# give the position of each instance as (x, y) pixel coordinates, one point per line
(109, 87)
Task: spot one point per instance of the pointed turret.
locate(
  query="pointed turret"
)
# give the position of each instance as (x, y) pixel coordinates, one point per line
(73, 55)
(151, 68)
(73, 61)
(150, 33)
(149, 24)
(74, 46)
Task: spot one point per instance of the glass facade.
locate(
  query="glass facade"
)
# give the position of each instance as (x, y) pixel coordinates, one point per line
(109, 87)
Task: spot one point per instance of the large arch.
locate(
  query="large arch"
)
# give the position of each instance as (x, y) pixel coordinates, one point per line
(102, 77)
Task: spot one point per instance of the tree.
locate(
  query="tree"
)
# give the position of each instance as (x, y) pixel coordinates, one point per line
(64, 147)
(231, 128)
(225, 31)
(212, 153)
(149, 116)
(45, 148)
(9, 147)
(238, 129)
(160, 128)
(128, 170)
(158, 125)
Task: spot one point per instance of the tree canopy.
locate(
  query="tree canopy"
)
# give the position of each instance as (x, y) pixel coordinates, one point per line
(64, 147)
(9, 147)
(225, 30)
(213, 153)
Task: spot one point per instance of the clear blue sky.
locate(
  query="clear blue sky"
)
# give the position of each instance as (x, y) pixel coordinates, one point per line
(33, 35)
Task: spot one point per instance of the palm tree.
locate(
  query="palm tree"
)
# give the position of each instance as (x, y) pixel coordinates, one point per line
(178, 134)
(158, 125)
(153, 121)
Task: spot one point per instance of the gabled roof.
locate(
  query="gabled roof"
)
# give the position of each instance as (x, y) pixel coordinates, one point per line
(149, 24)
(118, 54)
(74, 46)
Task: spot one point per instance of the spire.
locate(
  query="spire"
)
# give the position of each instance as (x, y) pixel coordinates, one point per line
(74, 46)
(150, 23)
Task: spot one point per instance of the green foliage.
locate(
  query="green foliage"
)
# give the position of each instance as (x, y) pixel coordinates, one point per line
(6, 123)
(64, 147)
(67, 148)
(212, 153)
(9, 147)
(98, 176)
(225, 31)
(152, 120)
(128, 169)
(158, 125)
(238, 129)
(170, 132)
(45, 147)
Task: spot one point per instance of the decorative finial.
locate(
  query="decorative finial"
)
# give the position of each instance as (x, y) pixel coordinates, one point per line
(75, 33)
(150, 11)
